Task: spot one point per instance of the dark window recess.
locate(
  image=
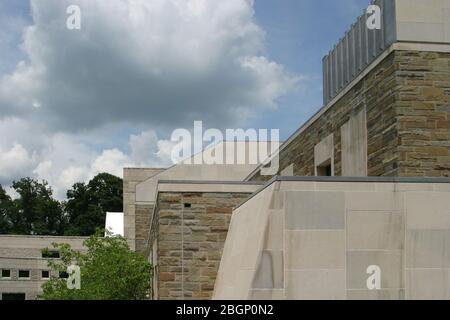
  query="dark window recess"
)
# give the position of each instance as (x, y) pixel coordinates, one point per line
(45, 274)
(24, 273)
(324, 170)
(187, 205)
(63, 275)
(13, 296)
(52, 254)
(6, 273)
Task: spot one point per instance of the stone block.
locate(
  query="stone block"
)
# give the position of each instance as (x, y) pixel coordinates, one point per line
(315, 249)
(315, 210)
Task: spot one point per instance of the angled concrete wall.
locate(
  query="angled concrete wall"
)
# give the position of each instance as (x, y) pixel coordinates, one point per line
(316, 240)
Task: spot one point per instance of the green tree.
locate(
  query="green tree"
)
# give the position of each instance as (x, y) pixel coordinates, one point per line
(87, 204)
(35, 210)
(109, 271)
(6, 208)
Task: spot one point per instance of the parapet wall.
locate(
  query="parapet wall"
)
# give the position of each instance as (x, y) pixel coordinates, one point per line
(317, 238)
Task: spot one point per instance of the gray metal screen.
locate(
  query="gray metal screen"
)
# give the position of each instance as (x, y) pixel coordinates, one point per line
(357, 49)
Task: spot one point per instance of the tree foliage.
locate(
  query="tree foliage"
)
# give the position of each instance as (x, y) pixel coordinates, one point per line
(109, 271)
(87, 204)
(35, 211)
(6, 209)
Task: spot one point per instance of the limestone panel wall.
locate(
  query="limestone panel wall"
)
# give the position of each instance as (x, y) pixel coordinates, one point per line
(187, 236)
(321, 240)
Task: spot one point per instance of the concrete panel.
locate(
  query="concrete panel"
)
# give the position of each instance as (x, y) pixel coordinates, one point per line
(390, 263)
(413, 31)
(375, 230)
(427, 284)
(374, 201)
(354, 146)
(267, 295)
(274, 239)
(315, 249)
(270, 273)
(315, 210)
(427, 210)
(392, 294)
(428, 249)
(315, 284)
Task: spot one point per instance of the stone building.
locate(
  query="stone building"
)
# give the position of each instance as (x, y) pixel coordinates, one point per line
(23, 266)
(382, 138)
(387, 100)
(362, 188)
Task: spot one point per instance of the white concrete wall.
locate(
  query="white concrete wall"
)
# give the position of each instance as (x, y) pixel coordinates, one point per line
(423, 20)
(354, 146)
(315, 240)
(189, 170)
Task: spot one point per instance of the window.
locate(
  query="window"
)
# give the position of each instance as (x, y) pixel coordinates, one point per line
(6, 274)
(324, 169)
(52, 254)
(63, 275)
(45, 274)
(24, 274)
(187, 205)
(324, 157)
(13, 296)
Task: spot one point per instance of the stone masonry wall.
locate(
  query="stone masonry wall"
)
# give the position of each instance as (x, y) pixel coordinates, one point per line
(198, 223)
(407, 101)
(136, 220)
(423, 110)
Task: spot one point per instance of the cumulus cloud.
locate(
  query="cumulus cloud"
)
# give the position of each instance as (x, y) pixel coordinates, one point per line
(15, 161)
(152, 64)
(158, 62)
(64, 161)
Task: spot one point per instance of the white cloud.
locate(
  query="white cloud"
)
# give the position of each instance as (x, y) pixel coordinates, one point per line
(163, 63)
(156, 64)
(15, 161)
(64, 160)
(112, 161)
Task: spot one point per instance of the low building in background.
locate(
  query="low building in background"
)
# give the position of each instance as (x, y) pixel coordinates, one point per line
(24, 267)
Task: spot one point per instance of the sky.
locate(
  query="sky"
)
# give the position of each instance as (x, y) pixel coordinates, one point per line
(74, 103)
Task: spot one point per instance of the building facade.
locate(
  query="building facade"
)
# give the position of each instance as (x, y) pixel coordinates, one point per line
(24, 267)
(363, 188)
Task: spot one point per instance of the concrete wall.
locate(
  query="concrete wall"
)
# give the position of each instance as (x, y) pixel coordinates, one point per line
(24, 253)
(189, 227)
(423, 20)
(316, 239)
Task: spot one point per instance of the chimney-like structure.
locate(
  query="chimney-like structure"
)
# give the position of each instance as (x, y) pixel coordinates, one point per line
(424, 21)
